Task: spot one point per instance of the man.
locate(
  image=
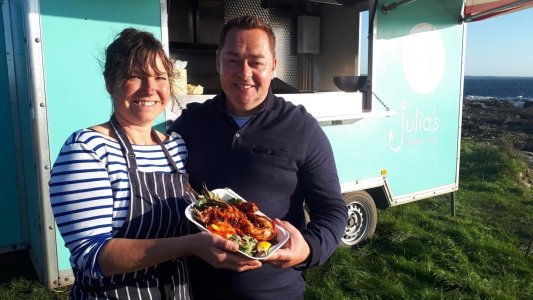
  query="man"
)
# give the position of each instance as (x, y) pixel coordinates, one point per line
(270, 152)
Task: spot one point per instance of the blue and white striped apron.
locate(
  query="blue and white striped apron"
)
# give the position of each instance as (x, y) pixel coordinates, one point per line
(157, 210)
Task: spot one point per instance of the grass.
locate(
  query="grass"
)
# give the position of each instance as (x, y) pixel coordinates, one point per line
(419, 251)
(18, 280)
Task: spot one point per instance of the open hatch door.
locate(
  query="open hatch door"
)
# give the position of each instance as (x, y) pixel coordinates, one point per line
(476, 10)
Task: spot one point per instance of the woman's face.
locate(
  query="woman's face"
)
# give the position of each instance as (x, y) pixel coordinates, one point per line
(140, 98)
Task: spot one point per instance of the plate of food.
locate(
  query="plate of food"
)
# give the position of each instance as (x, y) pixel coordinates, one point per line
(225, 213)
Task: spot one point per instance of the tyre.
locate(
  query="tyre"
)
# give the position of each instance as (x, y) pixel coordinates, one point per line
(362, 218)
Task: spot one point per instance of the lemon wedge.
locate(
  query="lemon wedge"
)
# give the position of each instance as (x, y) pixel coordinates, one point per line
(263, 246)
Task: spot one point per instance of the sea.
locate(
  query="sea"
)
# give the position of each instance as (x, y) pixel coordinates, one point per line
(515, 89)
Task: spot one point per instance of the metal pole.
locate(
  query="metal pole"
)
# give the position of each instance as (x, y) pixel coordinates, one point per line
(385, 9)
(452, 202)
(367, 95)
(32, 22)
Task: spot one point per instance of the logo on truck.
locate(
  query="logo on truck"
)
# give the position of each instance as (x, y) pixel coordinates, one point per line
(423, 61)
(415, 122)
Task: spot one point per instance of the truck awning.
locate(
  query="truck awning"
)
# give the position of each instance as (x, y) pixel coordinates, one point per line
(476, 10)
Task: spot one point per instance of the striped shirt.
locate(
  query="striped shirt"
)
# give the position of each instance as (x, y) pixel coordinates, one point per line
(90, 190)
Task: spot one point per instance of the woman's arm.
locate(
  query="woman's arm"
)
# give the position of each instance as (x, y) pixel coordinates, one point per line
(127, 255)
(82, 202)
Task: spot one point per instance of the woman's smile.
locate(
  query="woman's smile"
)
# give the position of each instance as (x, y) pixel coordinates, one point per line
(145, 103)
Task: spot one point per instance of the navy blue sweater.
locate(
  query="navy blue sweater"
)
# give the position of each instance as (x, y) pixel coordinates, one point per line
(278, 159)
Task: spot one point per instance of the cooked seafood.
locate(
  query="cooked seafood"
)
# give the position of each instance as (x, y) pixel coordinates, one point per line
(235, 219)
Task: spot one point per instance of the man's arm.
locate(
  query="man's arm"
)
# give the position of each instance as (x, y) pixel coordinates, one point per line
(327, 209)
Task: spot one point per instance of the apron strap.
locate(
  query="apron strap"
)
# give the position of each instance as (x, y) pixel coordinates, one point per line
(165, 150)
(128, 149)
(124, 142)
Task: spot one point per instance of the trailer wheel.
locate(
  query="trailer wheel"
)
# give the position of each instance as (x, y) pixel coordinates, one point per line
(362, 218)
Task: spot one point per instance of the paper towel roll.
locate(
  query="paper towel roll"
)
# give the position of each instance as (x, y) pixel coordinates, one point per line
(180, 82)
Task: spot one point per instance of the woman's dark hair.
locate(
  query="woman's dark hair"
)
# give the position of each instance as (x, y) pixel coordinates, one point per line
(137, 49)
(248, 22)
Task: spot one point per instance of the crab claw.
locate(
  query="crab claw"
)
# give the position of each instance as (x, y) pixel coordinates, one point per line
(205, 191)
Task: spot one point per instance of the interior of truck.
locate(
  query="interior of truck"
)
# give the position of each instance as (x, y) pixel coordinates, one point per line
(316, 40)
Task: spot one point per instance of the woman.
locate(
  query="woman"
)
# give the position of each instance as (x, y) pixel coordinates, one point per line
(117, 189)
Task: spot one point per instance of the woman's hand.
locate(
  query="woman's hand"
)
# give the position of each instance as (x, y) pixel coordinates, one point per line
(120, 255)
(294, 251)
(221, 253)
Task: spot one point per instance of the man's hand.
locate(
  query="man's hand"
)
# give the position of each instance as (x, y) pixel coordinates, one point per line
(294, 252)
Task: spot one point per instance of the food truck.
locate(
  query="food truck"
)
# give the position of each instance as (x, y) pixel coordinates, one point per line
(386, 89)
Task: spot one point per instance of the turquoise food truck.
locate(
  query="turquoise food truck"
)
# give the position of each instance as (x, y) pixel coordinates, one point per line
(386, 89)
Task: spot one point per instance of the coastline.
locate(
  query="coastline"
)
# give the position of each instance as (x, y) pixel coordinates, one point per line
(491, 119)
(495, 120)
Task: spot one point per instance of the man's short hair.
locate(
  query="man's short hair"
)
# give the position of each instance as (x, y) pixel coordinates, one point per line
(248, 22)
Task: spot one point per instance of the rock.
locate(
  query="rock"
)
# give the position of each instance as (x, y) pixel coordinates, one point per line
(499, 119)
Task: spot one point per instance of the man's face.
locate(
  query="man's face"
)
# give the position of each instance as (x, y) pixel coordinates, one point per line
(246, 66)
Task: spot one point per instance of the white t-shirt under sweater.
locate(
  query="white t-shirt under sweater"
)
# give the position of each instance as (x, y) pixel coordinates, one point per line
(90, 191)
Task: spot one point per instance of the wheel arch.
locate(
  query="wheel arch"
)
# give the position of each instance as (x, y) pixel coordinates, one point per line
(381, 196)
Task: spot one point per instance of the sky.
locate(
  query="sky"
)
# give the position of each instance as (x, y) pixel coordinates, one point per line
(501, 46)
